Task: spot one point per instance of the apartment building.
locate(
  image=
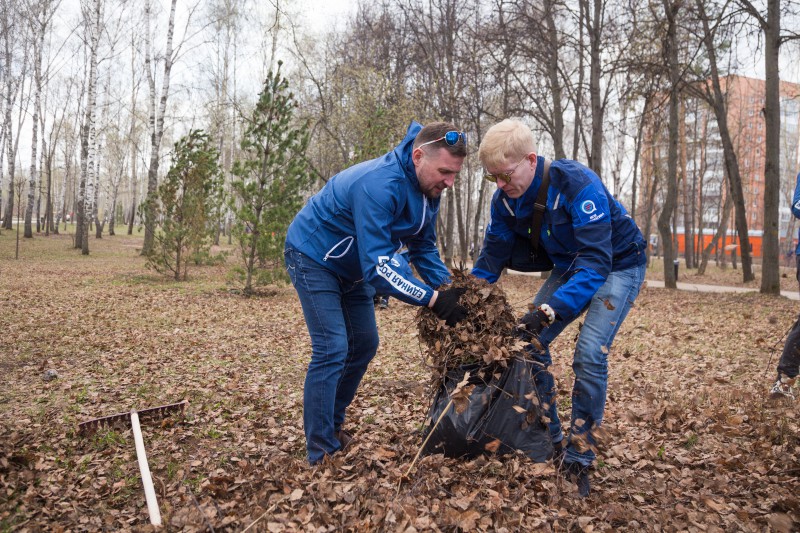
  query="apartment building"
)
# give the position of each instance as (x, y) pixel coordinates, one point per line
(701, 164)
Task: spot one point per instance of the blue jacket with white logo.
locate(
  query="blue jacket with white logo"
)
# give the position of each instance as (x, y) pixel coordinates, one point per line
(796, 210)
(586, 232)
(366, 213)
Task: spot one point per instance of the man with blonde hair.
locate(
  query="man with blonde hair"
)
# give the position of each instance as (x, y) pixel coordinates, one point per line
(597, 256)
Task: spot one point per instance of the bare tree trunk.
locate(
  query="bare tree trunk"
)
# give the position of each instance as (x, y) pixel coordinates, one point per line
(89, 145)
(14, 86)
(132, 139)
(156, 122)
(770, 266)
(594, 29)
(731, 161)
(38, 39)
(553, 79)
(722, 228)
(9, 213)
(637, 153)
(649, 206)
(462, 230)
(667, 211)
(688, 198)
(576, 138)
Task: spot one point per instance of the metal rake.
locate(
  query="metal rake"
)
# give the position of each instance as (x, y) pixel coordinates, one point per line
(90, 426)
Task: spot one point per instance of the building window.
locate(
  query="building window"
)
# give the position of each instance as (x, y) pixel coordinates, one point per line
(750, 112)
(759, 139)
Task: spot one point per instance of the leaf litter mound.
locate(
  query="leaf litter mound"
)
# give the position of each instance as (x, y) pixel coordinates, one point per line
(697, 446)
(486, 337)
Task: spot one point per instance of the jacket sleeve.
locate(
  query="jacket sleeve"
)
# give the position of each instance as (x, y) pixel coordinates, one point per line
(497, 246)
(796, 199)
(591, 224)
(389, 273)
(424, 254)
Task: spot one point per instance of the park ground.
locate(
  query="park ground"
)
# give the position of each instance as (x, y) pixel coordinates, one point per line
(693, 443)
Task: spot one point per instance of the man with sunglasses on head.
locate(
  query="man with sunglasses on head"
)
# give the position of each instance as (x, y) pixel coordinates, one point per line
(599, 262)
(341, 249)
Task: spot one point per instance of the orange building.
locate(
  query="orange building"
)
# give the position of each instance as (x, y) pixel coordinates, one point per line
(701, 166)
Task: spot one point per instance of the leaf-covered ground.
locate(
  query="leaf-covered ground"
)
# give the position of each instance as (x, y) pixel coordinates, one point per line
(693, 444)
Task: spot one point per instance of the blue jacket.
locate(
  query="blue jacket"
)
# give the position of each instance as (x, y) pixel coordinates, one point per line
(366, 213)
(586, 232)
(796, 210)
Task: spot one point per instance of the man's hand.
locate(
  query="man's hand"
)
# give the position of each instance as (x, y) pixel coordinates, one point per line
(533, 322)
(447, 308)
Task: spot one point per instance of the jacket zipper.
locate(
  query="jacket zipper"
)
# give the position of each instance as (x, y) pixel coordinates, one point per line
(424, 212)
(335, 246)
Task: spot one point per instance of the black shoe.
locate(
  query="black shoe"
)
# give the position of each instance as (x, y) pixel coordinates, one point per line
(345, 439)
(558, 453)
(581, 475)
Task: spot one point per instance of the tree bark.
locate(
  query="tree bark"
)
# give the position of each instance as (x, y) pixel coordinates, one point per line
(156, 122)
(667, 211)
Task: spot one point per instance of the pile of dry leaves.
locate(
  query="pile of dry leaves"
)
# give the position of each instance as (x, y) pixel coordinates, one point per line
(485, 337)
(695, 445)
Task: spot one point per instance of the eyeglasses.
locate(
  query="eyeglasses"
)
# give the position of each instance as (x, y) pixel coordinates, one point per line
(451, 138)
(505, 176)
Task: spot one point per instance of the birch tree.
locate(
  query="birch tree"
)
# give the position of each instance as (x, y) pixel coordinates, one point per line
(156, 116)
(15, 65)
(40, 14)
(93, 11)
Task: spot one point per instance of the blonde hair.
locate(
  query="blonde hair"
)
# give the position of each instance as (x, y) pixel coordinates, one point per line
(509, 139)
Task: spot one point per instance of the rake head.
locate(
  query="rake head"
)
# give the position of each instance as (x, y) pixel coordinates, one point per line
(151, 413)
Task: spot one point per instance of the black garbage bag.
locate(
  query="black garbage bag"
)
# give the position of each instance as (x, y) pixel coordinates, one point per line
(504, 414)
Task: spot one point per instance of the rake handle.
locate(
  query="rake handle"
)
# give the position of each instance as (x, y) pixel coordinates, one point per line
(147, 480)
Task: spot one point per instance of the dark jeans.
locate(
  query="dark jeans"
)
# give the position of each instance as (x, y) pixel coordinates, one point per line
(340, 317)
(789, 365)
(590, 361)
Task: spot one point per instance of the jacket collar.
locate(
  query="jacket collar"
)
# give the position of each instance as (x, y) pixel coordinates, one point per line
(403, 152)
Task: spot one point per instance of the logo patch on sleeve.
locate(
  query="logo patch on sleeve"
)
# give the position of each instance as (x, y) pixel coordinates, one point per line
(588, 207)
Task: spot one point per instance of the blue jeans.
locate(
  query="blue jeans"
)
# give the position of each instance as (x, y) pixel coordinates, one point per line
(590, 362)
(340, 317)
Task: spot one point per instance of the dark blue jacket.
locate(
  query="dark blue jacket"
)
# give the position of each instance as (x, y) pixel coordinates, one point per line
(586, 232)
(366, 213)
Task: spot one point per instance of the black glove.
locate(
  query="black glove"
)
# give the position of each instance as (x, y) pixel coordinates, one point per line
(447, 307)
(532, 323)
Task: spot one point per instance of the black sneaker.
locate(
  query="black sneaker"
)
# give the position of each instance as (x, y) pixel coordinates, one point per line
(580, 474)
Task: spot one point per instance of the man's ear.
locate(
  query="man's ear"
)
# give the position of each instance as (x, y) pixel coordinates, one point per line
(417, 155)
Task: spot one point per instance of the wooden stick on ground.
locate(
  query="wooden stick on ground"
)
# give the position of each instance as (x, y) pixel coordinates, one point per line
(147, 480)
(444, 412)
